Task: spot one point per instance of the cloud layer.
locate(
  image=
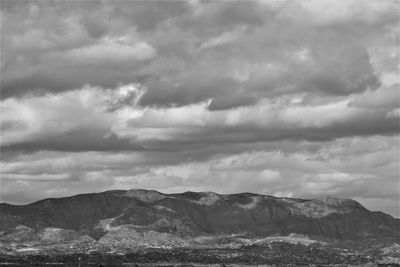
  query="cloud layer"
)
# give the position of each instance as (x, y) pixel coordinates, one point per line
(277, 97)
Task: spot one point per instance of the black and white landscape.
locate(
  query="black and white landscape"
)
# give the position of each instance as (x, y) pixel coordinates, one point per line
(140, 226)
(200, 132)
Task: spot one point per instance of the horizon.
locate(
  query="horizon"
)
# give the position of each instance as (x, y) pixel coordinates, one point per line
(181, 193)
(296, 99)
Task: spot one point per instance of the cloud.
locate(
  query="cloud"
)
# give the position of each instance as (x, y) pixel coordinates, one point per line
(75, 120)
(281, 118)
(326, 12)
(111, 52)
(99, 119)
(348, 167)
(386, 98)
(188, 52)
(277, 97)
(148, 16)
(38, 177)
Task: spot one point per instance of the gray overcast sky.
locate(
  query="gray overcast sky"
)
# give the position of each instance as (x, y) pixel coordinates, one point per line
(286, 98)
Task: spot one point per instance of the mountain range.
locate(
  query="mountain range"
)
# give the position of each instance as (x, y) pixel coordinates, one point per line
(151, 217)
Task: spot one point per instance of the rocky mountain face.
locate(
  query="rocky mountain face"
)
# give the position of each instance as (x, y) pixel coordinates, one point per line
(129, 216)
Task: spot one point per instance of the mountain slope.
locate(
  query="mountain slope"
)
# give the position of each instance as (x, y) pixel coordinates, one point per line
(150, 214)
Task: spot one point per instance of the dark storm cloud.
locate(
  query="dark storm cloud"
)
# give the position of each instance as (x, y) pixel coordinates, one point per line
(60, 78)
(227, 54)
(253, 135)
(232, 52)
(75, 141)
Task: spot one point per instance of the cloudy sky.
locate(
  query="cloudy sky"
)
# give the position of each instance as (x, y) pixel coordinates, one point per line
(286, 98)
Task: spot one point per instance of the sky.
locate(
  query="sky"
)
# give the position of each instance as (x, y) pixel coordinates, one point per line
(284, 98)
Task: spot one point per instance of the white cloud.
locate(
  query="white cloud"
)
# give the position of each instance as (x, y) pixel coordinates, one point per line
(278, 114)
(323, 12)
(111, 51)
(59, 114)
(116, 112)
(384, 98)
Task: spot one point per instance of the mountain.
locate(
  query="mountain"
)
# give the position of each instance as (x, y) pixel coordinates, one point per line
(152, 217)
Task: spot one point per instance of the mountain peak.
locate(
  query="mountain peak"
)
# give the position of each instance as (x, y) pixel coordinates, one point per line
(145, 195)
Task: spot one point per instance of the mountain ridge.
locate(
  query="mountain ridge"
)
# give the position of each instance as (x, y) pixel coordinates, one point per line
(191, 214)
(175, 194)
